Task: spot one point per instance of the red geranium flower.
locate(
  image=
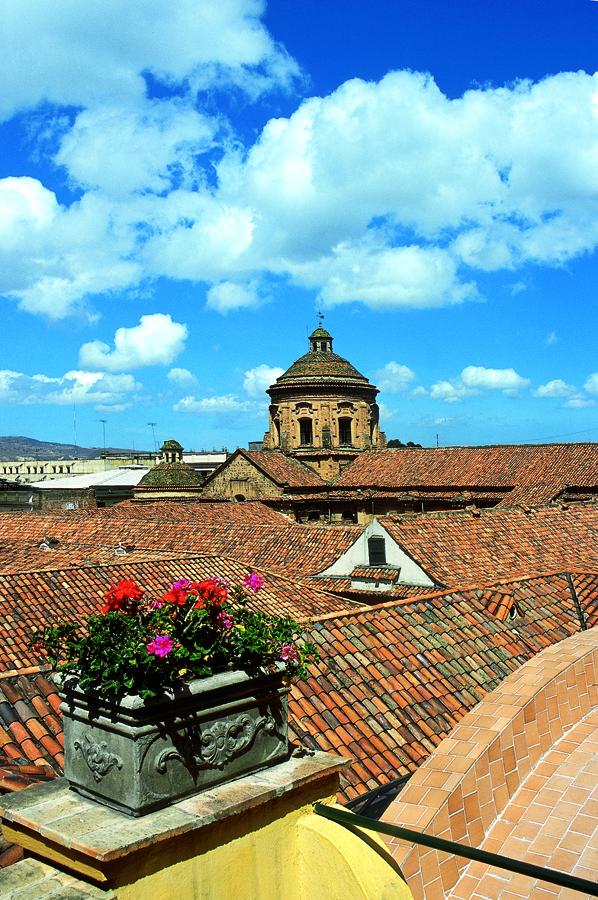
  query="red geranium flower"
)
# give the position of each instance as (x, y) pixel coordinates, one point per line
(210, 592)
(120, 595)
(176, 596)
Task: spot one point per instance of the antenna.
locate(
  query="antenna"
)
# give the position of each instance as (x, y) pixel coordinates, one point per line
(103, 421)
(75, 422)
(152, 425)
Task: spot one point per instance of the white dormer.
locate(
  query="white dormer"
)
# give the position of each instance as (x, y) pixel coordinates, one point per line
(375, 548)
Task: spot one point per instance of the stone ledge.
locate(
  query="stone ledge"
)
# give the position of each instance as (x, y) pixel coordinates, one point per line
(31, 879)
(54, 813)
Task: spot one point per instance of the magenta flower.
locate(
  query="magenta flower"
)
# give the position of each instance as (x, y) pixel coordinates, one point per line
(155, 604)
(160, 645)
(289, 653)
(225, 620)
(254, 582)
(183, 584)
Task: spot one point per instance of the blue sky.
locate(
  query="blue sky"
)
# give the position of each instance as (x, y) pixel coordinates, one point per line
(184, 183)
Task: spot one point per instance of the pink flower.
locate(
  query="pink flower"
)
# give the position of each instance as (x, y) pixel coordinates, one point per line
(289, 653)
(160, 645)
(225, 620)
(254, 582)
(155, 604)
(182, 584)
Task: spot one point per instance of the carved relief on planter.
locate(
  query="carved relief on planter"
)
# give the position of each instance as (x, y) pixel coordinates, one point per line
(137, 756)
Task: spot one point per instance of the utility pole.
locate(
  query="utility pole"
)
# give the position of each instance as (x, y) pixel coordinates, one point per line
(152, 425)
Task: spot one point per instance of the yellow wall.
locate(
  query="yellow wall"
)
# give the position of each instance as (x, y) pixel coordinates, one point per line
(280, 850)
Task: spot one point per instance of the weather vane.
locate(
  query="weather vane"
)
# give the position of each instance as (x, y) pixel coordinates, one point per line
(321, 317)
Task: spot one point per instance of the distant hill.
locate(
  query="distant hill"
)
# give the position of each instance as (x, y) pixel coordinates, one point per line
(12, 447)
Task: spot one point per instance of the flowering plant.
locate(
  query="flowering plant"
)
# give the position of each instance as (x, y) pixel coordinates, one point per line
(196, 629)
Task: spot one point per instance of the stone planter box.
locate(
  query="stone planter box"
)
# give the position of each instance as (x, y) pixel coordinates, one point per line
(137, 756)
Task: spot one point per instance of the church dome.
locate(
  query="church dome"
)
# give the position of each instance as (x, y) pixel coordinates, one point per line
(323, 403)
(322, 365)
(171, 475)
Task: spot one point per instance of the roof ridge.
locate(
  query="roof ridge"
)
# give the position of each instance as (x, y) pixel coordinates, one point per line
(456, 589)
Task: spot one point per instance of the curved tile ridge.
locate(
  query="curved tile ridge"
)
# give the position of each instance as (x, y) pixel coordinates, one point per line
(465, 785)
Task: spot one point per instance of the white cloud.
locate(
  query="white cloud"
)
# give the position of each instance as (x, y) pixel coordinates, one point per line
(223, 404)
(579, 402)
(449, 391)
(493, 379)
(385, 193)
(384, 278)
(227, 296)
(551, 338)
(112, 392)
(181, 377)
(121, 151)
(555, 388)
(574, 398)
(157, 340)
(394, 377)
(77, 54)
(257, 380)
(52, 257)
(475, 379)
(591, 384)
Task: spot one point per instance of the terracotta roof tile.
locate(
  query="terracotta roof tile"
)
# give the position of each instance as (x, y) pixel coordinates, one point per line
(538, 472)
(490, 545)
(290, 548)
(419, 666)
(32, 600)
(198, 511)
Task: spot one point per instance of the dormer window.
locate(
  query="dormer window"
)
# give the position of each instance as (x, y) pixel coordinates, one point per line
(376, 551)
(119, 550)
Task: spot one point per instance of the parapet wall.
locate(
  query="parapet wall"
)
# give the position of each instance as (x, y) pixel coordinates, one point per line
(468, 781)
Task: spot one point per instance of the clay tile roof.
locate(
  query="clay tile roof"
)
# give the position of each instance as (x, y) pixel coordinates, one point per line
(462, 547)
(32, 600)
(31, 737)
(395, 678)
(197, 511)
(537, 472)
(378, 573)
(289, 548)
(283, 469)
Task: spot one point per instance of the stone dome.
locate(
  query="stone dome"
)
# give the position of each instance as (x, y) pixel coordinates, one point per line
(176, 474)
(324, 365)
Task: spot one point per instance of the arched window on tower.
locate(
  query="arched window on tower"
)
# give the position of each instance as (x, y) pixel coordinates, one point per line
(305, 432)
(345, 436)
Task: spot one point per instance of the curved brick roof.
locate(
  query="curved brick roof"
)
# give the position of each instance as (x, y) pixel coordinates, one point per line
(320, 332)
